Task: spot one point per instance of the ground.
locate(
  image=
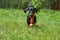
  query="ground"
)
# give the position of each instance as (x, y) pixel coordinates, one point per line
(13, 25)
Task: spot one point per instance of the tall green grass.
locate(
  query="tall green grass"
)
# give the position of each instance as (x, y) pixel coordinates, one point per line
(13, 25)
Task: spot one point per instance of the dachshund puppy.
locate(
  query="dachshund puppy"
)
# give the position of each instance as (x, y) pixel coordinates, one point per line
(31, 18)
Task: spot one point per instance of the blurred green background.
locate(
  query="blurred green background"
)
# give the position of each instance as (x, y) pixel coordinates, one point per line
(13, 24)
(21, 4)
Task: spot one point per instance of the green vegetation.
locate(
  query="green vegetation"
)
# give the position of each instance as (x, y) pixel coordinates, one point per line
(13, 25)
(21, 4)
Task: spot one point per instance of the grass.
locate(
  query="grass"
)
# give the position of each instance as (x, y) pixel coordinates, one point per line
(13, 25)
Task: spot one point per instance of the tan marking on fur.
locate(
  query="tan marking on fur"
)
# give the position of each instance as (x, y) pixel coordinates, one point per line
(32, 20)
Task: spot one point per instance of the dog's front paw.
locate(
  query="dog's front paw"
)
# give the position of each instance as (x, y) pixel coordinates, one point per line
(31, 25)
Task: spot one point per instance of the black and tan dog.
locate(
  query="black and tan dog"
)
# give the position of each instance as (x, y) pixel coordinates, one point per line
(31, 18)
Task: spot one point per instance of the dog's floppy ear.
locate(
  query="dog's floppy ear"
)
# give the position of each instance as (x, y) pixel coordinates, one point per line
(25, 10)
(35, 10)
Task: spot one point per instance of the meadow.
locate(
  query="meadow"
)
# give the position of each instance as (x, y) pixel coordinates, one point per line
(13, 25)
